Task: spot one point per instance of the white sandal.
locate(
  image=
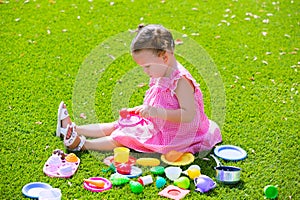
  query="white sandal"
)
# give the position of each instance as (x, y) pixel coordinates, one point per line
(74, 142)
(62, 114)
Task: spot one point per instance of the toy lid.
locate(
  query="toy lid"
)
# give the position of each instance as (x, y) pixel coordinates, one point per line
(230, 152)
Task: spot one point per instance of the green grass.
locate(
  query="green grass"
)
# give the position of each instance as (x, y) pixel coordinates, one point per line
(44, 44)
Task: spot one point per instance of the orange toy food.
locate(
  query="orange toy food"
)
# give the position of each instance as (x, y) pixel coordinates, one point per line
(173, 156)
(97, 183)
(71, 158)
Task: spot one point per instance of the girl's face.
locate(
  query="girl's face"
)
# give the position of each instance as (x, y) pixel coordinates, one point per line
(154, 66)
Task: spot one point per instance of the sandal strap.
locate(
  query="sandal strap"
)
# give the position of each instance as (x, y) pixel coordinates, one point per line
(63, 131)
(73, 137)
(80, 145)
(64, 114)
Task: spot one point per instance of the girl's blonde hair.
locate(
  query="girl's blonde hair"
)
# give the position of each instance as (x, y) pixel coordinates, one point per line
(154, 37)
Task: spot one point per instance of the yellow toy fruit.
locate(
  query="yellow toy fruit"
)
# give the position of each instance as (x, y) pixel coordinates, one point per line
(152, 162)
(193, 173)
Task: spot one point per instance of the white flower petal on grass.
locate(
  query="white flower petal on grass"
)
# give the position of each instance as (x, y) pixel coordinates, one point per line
(264, 62)
(195, 9)
(247, 19)
(282, 53)
(18, 19)
(264, 33)
(83, 116)
(233, 16)
(48, 32)
(254, 58)
(269, 14)
(287, 35)
(266, 21)
(78, 17)
(268, 53)
(178, 42)
(112, 3)
(184, 35)
(64, 30)
(26, 1)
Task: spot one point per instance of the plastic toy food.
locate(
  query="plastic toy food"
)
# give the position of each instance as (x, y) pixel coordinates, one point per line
(182, 182)
(160, 182)
(123, 168)
(60, 153)
(157, 170)
(204, 184)
(145, 180)
(271, 191)
(118, 179)
(193, 171)
(96, 183)
(148, 162)
(71, 158)
(66, 170)
(55, 161)
(136, 187)
(58, 165)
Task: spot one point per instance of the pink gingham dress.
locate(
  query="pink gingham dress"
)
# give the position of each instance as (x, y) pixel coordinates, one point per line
(162, 136)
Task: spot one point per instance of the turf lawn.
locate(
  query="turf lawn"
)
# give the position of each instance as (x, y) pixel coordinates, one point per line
(78, 51)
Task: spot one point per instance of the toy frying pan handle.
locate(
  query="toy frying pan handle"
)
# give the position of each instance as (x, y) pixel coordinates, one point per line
(217, 160)
(124, 113)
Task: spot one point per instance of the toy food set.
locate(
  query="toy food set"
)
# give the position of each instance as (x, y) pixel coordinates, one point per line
(61, 165)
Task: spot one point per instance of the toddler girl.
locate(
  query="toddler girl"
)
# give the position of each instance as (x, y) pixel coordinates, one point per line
(173, 107)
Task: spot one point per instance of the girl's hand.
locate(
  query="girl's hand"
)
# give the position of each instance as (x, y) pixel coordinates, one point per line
(144, 111)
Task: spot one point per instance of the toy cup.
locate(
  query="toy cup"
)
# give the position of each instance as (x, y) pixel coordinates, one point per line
(121, 154)
(271, 191)
(173, 173)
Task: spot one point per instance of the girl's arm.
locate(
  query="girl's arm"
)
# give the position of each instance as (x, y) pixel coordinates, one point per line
(186, 112)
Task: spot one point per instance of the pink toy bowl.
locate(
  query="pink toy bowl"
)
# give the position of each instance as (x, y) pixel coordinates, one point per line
(91, 187)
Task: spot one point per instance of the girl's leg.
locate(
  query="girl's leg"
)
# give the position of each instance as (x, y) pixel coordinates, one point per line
(101, 144)
(91, 130)
(96, 130)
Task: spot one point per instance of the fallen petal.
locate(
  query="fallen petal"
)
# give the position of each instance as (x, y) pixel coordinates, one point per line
(178, 41)
(264, 33)
(83, 116)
